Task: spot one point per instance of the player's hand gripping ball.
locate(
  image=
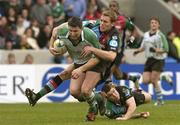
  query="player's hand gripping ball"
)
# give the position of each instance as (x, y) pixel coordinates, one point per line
(59, 46)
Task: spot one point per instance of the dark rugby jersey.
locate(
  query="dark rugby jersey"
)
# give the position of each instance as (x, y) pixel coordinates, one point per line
(109, 41)
(125, 93)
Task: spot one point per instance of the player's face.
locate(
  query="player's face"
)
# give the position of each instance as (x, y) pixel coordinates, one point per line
(105, 24)
(154, 25)
(113, 95)
(113, 6)
(74, 32)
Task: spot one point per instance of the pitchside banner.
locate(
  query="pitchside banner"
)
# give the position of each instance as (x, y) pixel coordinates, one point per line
(14, 79)
(169, 92)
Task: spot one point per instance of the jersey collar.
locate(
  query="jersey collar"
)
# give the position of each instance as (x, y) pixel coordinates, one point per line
(82, 35)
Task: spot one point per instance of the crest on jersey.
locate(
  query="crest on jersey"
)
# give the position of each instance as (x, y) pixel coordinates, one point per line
(113, 43)
(114, 37)
(126, 92)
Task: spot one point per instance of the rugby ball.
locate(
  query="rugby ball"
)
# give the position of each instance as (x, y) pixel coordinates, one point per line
(59, 46)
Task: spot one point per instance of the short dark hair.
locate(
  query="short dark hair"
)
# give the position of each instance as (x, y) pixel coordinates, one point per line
(116, 2)
(107, 87)
(75, 22)
(170, 32)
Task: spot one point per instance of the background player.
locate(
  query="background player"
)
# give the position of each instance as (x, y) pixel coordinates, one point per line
(156, 48)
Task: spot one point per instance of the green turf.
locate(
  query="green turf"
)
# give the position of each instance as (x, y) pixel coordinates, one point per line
(74, 114)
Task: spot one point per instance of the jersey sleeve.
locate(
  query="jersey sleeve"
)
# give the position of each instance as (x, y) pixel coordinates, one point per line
(129, 25)
(164, 42)
(62, 32)
(127, 93)
(113, 110)
(91, 37)
(90, 23)
(143, 41)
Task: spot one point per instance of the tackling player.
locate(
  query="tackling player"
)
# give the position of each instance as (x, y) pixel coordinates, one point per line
(112, 49)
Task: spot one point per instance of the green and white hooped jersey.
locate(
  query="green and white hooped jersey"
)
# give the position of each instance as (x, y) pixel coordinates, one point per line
(88, 38)
(115, 110)
(158, 40)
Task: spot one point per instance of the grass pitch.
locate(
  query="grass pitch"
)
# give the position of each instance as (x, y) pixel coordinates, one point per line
(74, 114)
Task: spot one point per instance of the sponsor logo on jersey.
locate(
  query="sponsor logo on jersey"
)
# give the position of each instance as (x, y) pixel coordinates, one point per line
(113, 43)
(112, 48)
(127, 92)
(114, 37)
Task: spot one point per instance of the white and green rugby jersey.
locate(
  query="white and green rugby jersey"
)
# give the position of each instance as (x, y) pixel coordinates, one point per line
(157, 40)
(88, 38)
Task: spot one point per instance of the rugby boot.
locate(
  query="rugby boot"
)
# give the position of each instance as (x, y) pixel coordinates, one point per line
(92, 112)
(159, 103)
(31, 96)
(135, 79)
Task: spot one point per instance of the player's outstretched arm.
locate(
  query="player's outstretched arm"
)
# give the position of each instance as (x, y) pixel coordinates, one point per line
(141, 115)
(139, 50)
(106, 55)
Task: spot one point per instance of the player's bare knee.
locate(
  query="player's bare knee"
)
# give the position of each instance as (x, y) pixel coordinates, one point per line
(74, 93)
(148, 97)
(154, 80)
(146, 81)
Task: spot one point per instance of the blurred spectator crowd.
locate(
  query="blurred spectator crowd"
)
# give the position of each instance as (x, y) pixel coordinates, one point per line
(27, 24)
(174, 45)
(175, 4)
(11, 59)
